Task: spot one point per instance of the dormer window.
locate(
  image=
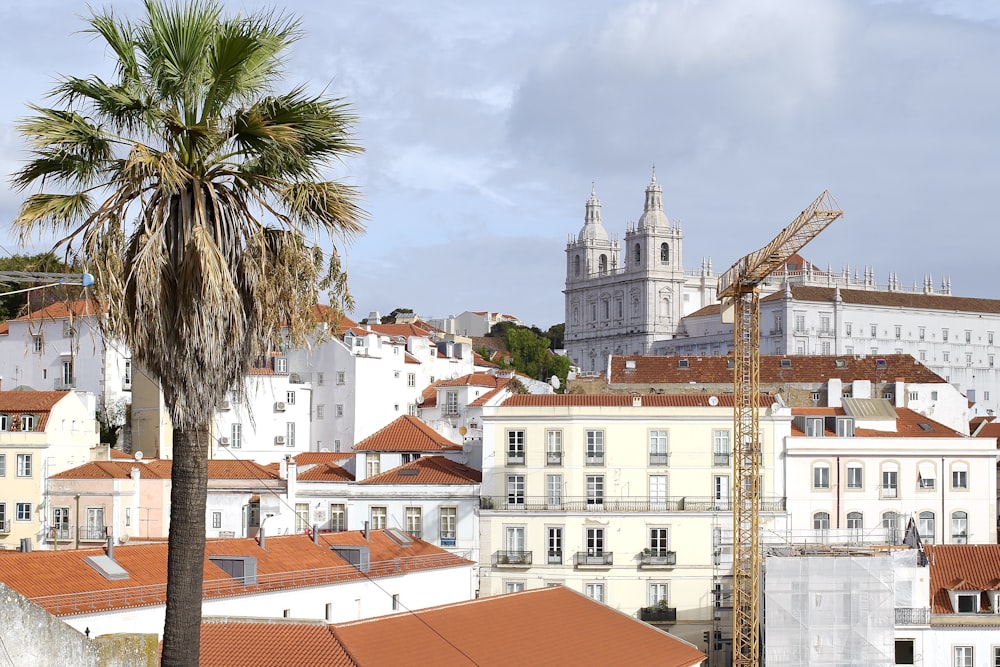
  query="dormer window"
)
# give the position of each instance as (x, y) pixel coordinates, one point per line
(4, 422)
(27, 422)
(845, 427)
(814, 427)
(966, 602)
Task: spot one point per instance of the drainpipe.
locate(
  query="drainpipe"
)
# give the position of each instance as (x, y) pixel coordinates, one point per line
(838, 492)
(77, 521)
(943, 482)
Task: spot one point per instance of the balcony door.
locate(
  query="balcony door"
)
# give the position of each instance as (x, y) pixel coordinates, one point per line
(721, 492)
(595, 542)
(95, 523)
(515, 541)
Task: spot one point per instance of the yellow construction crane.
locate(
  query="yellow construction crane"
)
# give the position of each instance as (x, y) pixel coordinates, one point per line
(739, 291)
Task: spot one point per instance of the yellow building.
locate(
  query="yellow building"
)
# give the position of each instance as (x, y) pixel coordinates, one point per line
(624, 498)
(41, 433)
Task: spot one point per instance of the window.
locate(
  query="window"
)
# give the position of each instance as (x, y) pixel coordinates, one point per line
(36, 344)
(926, 527)
(914, 395)
(319, 379)
(821, 476)
(409, 457)
(855, 521)
(554, 544)
(515, 489)
(664, 253)
(320, 411)
(595, 542)
(657, 448)
(934, 395)
(515, 447)
(845, 425)
(855, 476)
(926, 475)
(825, 348)
(290, 434)
(280, 365)
(553, 490)
(67, 373)
(848, 329)
(27, 422)
(553, 448)
(815, 396)
(414, 521)
(24, 465)
(659, 541)
(290, 397)
(595, 489)
(890, 524)
(967, 604)
(968, 359)
(890, 480)
(339, 409)
(301, 517)
(338, 517)
(945, 356)
(451, 402)
(658, 594)
(923, 355)
(395, 374)
(921, 333)
(379, 517)
(959, 527)
(824, 324)
(448, 526)
(514, 543)
(898, 332)
(595, 448)
(720, 447)
(596, 592)
(821, 521)
(657, 492)
(874, 330)
(513, 586)
(373, 463)
(3, 465)
(944, 335)
(800, 323)
(236, 435)
(814, 427)
(904, 652)
(22, 511)
(968, 336)
(963, 656)
(341, 377)
(959, 476)
(216, 519)
(411, 379)
(996, 649)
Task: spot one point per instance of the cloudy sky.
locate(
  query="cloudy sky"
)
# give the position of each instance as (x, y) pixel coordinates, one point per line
(485, 124)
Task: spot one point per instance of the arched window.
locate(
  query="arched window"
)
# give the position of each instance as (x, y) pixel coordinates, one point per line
(602, 264)
(926, 528)
(959, 527)
(890, 524)
(821, 476)
(576, 265)
(664, 253)
(821, 521)
(855, 521)
(638, 255)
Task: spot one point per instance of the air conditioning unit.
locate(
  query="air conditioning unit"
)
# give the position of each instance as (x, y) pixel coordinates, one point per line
(223, 442)
(279, 439)
(225, 405)
(279, 406)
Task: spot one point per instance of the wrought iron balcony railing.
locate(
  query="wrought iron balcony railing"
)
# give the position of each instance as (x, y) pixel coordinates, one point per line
(512, 558)
(594, 558)
(658, 614)
(654, 558)
(520, 503)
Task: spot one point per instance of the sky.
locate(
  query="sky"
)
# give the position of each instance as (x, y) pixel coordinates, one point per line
(486, 124)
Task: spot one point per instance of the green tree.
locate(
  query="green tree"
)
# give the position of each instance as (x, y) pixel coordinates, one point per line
(193, 189)
(11, 305)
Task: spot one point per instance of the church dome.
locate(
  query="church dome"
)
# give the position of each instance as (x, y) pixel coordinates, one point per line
(592, 229)
(652, 213)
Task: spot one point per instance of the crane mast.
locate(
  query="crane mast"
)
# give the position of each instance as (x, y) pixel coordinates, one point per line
(739, 291)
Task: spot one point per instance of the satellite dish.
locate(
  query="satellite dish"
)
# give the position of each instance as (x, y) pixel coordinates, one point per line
(138, 456)
(462, 430)
(554, 382)
(713, 400)
(420, 400)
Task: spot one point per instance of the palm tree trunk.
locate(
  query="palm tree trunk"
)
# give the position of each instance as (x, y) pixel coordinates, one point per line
(186, 546)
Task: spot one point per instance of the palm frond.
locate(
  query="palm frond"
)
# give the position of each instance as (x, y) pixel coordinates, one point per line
(55, 211)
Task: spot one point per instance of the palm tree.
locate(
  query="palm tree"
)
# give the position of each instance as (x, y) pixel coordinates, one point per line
(194, 193)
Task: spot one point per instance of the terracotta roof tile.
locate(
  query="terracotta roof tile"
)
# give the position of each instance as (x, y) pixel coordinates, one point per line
(29, 401)
(428, 470)
(907, 300)
(961, 567)
(989, 430)
(117, 469)
(405, 330)
(555, 626)
(311, 458)
(623, 400)
(471, 380)
(406, 434)
(223, 469)
(908, 425)
(430, 396)
(480, 360)
(325, 472)
(488, 396)
(231, 642)
(658, 369)
(61, 309)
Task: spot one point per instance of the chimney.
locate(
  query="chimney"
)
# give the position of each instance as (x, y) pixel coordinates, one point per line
(364, 532)
(26, 543)
(315, 533)
(110, 549)
(260, 536)
(291, 479)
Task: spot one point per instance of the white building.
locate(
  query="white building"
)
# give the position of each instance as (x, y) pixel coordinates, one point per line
(473, 322)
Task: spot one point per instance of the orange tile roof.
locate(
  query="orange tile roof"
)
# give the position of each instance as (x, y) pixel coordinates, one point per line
(428, 470)
(555, 626)
(908, 425)
(325, 472)
(234, 642)
(223, 469)
(12, 402)
(405, 330)
(989, 430)
(64, 584)
(623, 400)
(485, 398)
(406, 434)
(908, 300)
(471, 380)
(961, 567)
(659, 369)
(119, 454)
(430, 396)
(480, 360)
(60, 309)
(117, 469)
(311, 458)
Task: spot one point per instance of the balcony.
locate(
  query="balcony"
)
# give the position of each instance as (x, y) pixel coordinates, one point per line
(607, 504)
(595, 459)
(554, 557)
(593, 559)
(658, 458)
(653, 558)
(62, 384)
(720, 459)
(553, 458)
(515, 458)
(913, 616)
(518, 559)
(889, 492)
(93, 534)
(658, 614)
(59, 534)
(4, 526)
